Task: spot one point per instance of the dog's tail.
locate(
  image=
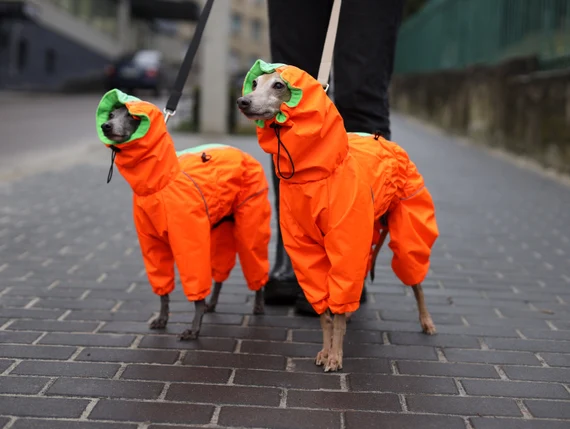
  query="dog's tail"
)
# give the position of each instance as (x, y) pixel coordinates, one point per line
(377, 248)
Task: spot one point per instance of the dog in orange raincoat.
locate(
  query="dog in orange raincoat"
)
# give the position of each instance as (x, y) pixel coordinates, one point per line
(340, 193)
(196, 208)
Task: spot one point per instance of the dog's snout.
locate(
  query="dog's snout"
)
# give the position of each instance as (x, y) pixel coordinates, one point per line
(243, 102)
(106, 126)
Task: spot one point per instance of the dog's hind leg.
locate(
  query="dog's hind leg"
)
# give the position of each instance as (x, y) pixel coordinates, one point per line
(192, 334)
(258, 305)
(211, 305)
(162, 320)
(327, 327)
(425, 318)
(334, 362)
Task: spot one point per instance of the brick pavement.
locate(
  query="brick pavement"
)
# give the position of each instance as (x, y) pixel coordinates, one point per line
(76, 352)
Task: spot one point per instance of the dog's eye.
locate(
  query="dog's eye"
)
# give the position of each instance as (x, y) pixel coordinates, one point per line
(254, 84)
(278, 85)
(111, 116)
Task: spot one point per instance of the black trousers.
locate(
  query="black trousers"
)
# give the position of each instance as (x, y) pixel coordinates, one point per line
(362, 64)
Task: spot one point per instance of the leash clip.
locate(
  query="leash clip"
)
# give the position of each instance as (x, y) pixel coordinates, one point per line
(326, 87)
(168, 114)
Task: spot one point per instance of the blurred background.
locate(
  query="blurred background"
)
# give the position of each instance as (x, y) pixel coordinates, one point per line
(493, 70)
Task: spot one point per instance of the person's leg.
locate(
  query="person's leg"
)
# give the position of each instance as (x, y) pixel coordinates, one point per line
(297, 30)
(364, 61)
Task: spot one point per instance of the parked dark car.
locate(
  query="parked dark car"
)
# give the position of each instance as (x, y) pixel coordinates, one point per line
(143, 69)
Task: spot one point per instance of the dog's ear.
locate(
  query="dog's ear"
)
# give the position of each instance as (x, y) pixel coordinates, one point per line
(136, 118)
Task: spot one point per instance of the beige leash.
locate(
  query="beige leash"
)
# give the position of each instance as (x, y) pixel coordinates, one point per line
(328, 50)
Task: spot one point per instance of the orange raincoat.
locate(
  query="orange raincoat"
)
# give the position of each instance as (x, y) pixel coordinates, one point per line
(196, 209)
(334, 189)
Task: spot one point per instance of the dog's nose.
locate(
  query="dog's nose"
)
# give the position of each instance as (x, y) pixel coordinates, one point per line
(106, 127)
(243, 102)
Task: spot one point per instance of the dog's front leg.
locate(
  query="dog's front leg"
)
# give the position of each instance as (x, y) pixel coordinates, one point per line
(162, 320)
(211, 306)
(334, 362)
(425, 318)
(192, 334)
(258, 305)
(327, 327)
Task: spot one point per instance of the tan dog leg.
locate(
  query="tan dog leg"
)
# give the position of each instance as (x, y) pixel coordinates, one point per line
(425, 319)
(335, 356)
(327, 327)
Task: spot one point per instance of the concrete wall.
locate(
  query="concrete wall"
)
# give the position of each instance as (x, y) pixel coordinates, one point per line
(512, 106)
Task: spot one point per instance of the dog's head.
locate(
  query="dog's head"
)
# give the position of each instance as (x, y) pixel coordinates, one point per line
(269, 91)
(120, 125)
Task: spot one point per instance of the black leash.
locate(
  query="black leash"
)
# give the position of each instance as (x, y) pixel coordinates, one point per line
(176, 93)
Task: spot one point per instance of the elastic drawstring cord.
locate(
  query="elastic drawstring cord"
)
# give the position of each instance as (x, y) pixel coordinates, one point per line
(277, 128)
(114, 150)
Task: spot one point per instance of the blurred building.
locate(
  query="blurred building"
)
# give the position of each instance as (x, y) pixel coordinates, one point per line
(46, 43)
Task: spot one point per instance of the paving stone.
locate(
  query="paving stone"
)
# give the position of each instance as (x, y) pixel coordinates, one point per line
(31, 313)
(202, 343)
(67, 369)
(165, 412)
(105, 388)
(491, 357)
(280, 349)
(287, 380)
(529, 345)
(18, 337)
(42, 407)
(515, 389)
(36, 352)
(401, 384)
(279, 418)
(124, 355)
(343, 400)
(463, 405)
(107, 316)
(440, 340)
(176, 373)
(356, 420)
(448, 369)
(34, 325)
(351, 337)
(63, 424)
(22, 385)
(491, 423)
(234, 360)
(72, 304)
(224, 395)
(556, 359)
(545, 334)
(561, 375)
(549, 409)
(87, 340)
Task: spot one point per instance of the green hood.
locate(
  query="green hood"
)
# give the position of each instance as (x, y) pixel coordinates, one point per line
(112, 100)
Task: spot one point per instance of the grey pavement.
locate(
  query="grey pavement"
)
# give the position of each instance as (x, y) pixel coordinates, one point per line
(76, 351)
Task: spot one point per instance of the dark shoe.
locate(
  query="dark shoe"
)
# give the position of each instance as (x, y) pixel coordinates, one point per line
(303, 307)
(282, 287)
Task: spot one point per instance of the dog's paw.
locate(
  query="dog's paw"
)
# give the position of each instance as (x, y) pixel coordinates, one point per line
(322, 357)
(259, 308)
(188, 335)
(159, 323)
(334, 363)
(428, 327)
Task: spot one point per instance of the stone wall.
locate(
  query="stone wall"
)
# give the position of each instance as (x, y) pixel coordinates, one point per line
(512, 106)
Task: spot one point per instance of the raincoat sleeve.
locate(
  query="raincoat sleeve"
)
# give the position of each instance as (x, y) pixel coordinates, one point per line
(157, 256)
(252, 232)
(222, 251)
(348, 241)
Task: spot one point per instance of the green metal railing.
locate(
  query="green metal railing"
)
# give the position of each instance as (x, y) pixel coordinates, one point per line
(454, 34)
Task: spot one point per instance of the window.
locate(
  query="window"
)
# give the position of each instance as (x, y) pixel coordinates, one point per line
(235, 61)
(49, 61)
(236, 24)
(255, 29)
(22, 54)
